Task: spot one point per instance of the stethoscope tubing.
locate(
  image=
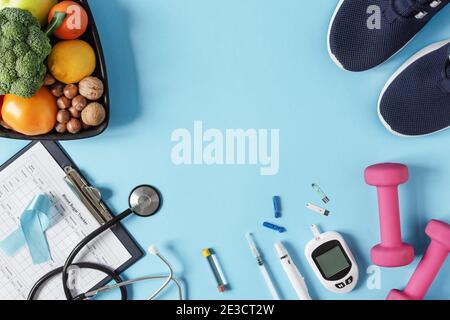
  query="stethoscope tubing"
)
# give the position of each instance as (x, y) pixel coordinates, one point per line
(124, 284)
(83, 244)
(82, 265)
(168, 279)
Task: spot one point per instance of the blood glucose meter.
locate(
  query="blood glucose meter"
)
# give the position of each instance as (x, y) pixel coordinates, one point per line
(332, 261)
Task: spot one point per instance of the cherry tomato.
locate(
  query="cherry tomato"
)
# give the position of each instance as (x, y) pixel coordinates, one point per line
(75, 23)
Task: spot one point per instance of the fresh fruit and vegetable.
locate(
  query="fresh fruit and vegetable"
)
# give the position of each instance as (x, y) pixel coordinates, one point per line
(77, 104)
(23, 49)
(32, 117)
(72, 60)
(75, 23)
(47, 77)
(2, 123)
(38, 8)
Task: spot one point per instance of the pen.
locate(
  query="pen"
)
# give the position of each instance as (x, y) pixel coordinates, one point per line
(296, 279)
(262, 267)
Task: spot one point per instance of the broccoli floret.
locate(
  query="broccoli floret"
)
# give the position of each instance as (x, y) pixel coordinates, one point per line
(26, 67)
(8, 58)
(7, 75)
(38, 42)
(14, 31)
(23, 17)
(23, 50)
(6, 43)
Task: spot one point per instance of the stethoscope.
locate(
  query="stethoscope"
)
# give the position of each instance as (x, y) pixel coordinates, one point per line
(144, 201)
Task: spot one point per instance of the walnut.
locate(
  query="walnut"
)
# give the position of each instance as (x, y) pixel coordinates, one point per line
(91, 88)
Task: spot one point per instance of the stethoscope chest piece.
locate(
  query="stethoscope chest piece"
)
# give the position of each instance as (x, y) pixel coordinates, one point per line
(145, 201)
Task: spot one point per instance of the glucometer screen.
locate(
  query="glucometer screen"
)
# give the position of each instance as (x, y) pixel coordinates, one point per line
(332, 262)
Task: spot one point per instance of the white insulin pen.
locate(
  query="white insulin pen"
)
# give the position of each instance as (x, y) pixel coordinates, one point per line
(296, 279)
(262, 267)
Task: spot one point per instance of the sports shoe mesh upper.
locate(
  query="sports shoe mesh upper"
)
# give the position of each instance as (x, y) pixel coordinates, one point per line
(417, 102)
(358, 48)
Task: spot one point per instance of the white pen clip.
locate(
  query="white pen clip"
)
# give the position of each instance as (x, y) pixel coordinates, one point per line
(316, 232)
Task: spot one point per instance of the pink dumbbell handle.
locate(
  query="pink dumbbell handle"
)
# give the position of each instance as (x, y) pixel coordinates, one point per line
(388, 204)
(426, 271)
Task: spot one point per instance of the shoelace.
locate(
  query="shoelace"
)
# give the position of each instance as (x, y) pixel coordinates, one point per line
(417, 8)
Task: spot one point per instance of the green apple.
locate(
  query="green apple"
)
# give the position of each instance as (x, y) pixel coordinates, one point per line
(39, 8)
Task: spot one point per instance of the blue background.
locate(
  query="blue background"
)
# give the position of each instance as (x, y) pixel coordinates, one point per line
(253, 64)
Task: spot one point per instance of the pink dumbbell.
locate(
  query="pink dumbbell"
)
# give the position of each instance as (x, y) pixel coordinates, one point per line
(392, 252)
(429, 266)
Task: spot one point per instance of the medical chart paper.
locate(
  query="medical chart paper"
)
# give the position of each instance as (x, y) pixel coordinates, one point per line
(37, 172)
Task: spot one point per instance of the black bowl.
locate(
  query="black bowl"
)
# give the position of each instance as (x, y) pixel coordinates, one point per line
(91, 36)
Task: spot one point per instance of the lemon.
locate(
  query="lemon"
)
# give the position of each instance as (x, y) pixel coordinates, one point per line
(71, 61)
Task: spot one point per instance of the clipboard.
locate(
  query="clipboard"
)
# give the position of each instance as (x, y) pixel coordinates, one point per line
(90, 197)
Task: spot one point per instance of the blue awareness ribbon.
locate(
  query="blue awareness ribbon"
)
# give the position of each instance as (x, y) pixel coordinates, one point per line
(34, 221)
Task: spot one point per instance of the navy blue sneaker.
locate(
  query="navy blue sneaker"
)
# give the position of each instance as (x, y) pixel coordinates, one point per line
(365, 33)
(416, 99)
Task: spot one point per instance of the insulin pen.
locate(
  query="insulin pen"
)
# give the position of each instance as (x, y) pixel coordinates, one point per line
(262, 267)
(296, 279)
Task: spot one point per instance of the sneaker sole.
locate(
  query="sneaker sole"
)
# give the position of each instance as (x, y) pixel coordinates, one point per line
(410, 61)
